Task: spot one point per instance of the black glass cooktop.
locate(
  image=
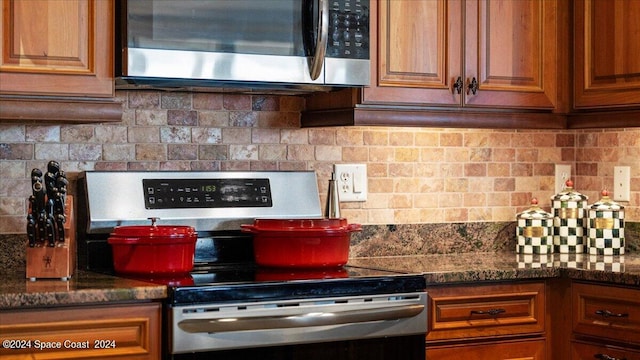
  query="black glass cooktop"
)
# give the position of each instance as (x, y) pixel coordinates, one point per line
(278, 285)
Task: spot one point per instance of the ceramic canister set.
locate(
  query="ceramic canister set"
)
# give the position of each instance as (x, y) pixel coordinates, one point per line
(573, 227)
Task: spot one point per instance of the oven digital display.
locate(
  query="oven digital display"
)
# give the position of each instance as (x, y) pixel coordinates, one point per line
(206, 193)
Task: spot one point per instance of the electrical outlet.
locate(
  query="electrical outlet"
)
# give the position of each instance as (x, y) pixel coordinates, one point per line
(621, 183)
(563, 173)
(351, 181)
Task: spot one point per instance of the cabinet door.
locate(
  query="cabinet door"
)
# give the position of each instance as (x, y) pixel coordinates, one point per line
(607, 65)
(125, 331)
(511, 51)
(606, 312)
(418, 47)
(480, 312)
(57, 47)
(507, 350)
(593, 350)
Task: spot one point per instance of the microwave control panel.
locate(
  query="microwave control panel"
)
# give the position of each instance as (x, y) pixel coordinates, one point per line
(348, 29)
(206, 193)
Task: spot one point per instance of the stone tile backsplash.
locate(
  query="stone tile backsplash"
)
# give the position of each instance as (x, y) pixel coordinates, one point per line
(415, 175)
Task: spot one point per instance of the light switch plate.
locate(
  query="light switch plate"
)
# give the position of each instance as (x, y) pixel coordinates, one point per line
(563, 173)
(621, 183)
(351, 181)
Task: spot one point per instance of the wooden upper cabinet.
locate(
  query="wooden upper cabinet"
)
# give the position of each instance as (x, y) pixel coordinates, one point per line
(418, 52)
(57, 47)
(607, 44)
(509, 48)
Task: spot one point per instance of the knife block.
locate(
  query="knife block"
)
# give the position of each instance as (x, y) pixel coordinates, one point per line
(58, 262)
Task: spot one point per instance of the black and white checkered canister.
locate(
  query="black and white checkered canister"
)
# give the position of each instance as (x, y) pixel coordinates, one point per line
(534, 231)
(569, 220)
(605, 227)
(612, 263)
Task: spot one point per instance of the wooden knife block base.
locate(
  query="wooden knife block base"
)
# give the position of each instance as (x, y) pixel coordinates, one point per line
(58, 262)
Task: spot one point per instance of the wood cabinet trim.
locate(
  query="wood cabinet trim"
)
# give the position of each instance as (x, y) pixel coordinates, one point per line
(401, 116)
(65, 110)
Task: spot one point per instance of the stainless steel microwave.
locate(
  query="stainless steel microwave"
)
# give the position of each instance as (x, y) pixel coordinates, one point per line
(291, 44)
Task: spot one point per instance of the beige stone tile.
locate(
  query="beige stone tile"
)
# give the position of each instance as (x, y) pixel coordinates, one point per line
(432, 215)
(401, 169)
(118, 152)
(407, 154)
(355, 154)
(381, 154)
(213, 118)
(427, 139)
(151, 152)
(300, 152)
(294, 136)
(451, 139)
(236, 136)
(272, 152)
(52, 151)
(456, 215)
(373, 137)
(243, 152)
(328, 153)
(349, 136)
(401, 138)
(450, 200)
(151, 117)
(265, 136)
(144, 134)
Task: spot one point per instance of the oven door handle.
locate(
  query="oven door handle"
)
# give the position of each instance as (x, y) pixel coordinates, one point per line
(302, 320)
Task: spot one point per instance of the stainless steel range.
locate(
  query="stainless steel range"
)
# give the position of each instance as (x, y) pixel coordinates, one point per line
(234, 309)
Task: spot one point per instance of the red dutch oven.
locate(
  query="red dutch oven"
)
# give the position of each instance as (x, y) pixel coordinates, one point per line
(301, 243)
(157, 250)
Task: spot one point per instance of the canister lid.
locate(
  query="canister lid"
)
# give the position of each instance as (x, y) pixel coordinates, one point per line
(534, 212)
(569, 194)
(606, 203)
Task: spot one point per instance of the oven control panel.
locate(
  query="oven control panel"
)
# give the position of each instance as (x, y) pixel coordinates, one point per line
(206, 193)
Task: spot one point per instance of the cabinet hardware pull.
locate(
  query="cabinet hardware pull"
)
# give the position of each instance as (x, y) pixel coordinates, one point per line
(457, 86)
(473, 86)
(492, 312)
(607, 313)
(607, 357)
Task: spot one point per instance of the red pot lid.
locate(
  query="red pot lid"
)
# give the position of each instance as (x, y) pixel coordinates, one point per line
(300, 224)
(153, 232)
(164, 231)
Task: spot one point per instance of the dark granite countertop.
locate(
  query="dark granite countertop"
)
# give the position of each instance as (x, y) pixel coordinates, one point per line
(497, 266)
(91, 288)
(83, 288)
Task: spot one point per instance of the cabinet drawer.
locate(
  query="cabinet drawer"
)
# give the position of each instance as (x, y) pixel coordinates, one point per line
(529, 349)
(606, 311)
(131, 331)
(590, 351)
(485, 311)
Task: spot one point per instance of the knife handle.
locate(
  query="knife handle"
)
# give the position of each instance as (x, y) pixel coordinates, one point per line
(31, 229)
(60, 220)
(37, 188)
(50, 231)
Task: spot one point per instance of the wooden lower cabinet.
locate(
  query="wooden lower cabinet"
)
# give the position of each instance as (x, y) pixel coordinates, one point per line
(525, 349)
(592, 350)
(124, 331)
(605, 322)
(488, 321)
